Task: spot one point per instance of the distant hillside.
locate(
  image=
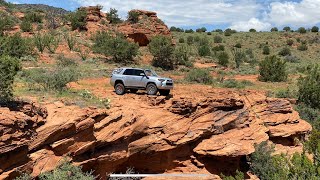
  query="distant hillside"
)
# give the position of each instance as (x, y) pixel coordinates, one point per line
(41, 7)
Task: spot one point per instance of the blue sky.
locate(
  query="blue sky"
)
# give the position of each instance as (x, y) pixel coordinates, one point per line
(236, 14)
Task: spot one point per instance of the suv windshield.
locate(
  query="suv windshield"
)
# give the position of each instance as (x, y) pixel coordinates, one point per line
(150, 73)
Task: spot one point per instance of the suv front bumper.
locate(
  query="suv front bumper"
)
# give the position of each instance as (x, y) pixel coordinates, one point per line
(167, 85)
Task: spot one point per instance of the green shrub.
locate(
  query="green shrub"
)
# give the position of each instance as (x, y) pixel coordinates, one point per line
(9, 67)
(190, 40)
(232, 83)
(66, 171)
(33, 17)
(268, 167)
(189, 31)
(49, 41)
(113, 16)
(265, 166)
(173, 29)
(204, 50)
(286, 93)
(181, 40)
(290, 42)
(51, 80)
(26, 26)
(39, 27)
(209, 33)
(199, 76)
(78, 19)
(16, 46)
(238, 45)
(203, 29)
(83, 53)
(274, 29)
(6, 22)
(121, 50)
(285, 51)
(309, 88)
(315, 29)
(302, 30)
(302, 47)
(238, 56)
(52, 42)
(196, 39)
(292, 59)
(133, 16)
(182, 55)
(249, 53)
(273, 69)
(309, 114)
(62, 61)
(71, 40)
(217, 39)
(218, 48)
(252, 30)
(39, 42)
(52, 21)
(223, 59)
(239, 176)
(162, 50)
(204, 47)
(266, 50)
(227, 33)
(287, 29)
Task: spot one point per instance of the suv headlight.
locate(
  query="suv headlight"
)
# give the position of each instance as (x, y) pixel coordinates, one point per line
(161, 80)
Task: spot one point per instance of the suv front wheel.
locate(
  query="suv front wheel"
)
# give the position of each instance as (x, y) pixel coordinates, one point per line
(152, 89)
(120, 89)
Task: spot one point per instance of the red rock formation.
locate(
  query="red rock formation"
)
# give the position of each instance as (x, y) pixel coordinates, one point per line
(211, 134)
(96, 19)
(149, 25)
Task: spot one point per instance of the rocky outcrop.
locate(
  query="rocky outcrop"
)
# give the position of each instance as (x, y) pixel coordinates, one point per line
(148, 26)
(95, 20)
(206, 134)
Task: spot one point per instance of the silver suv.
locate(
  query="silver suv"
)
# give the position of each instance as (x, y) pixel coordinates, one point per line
(134, 79)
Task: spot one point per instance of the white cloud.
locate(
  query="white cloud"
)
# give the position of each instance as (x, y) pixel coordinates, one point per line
(304, 13)
(252, 23)
(186, 13)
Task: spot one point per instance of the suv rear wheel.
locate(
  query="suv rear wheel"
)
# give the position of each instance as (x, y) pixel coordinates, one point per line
(164, 92)
(152, 89)
(120, 89)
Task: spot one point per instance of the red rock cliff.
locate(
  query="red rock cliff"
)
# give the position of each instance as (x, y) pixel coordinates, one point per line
(210, 133)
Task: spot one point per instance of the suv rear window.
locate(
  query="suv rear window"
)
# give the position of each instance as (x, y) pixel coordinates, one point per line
(129, 72)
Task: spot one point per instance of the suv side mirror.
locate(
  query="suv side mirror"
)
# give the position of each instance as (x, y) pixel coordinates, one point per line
(144, 75)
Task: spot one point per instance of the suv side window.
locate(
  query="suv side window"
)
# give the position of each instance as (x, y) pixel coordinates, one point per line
(137, 72)
(128, 72)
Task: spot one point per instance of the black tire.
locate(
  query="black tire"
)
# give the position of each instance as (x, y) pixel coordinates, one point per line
(152, 89)
(120, 89)
(164, 92)
(133, 90)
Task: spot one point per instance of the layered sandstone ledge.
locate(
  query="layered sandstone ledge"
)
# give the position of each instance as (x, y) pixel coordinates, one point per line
(211, 134)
